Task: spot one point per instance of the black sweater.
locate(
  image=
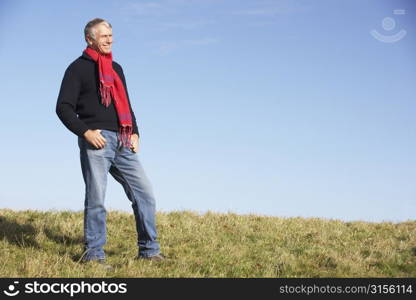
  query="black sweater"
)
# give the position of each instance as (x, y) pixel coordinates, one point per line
(79, 102)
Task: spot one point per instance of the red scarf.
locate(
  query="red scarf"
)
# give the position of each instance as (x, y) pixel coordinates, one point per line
(111, 87)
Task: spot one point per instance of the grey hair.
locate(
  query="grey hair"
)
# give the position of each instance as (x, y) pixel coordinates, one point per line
(89, 30)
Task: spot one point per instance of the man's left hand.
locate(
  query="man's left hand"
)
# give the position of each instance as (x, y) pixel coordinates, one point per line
(134, 146)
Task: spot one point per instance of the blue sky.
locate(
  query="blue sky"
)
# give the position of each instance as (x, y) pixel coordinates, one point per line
(283, 108)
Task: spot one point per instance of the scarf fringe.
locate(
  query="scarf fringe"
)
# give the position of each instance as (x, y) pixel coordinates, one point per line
(124, 135)
(105, 92)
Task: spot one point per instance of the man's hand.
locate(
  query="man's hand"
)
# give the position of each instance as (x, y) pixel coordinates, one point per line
(95, 138)
(134, 146)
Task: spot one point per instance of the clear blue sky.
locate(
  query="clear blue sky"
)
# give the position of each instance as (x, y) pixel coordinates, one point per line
(283, 108)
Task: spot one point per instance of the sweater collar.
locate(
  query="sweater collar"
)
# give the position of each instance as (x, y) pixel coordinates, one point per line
(86, 56)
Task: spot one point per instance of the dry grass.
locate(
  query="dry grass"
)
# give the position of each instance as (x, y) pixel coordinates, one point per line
(49, 244)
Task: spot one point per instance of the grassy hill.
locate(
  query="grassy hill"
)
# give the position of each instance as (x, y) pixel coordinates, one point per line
(49, 244)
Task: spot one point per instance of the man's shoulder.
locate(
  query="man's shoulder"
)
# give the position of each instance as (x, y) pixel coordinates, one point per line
(117, 66)
(79, 64)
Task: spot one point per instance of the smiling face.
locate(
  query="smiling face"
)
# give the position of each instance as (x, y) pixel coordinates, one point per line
(103, 38)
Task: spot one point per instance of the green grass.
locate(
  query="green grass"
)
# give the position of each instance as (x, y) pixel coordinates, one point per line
(50, 244)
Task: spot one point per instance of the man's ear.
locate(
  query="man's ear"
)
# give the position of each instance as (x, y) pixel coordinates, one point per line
(89, 41)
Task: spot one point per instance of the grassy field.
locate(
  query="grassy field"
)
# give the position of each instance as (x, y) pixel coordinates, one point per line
(49, 244)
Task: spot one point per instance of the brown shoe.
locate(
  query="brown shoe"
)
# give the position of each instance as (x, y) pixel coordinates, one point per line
(101, 263)
(157, 257)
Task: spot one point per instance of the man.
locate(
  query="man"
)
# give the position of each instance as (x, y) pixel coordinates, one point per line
(93, 103)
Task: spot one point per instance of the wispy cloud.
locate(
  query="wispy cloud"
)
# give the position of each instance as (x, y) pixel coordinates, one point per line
(152, 9)
(160, 7)
(204, 41)
(271, 8)
(165, 15)
(185, 25)
(164, 48)
(256, 12)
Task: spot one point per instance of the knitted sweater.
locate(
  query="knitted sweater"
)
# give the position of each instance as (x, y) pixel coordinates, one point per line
(79, 102)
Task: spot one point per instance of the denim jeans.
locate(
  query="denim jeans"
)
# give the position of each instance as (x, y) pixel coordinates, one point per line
(124, 165)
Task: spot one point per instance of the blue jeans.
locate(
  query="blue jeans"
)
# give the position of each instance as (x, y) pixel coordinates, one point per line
(124, 165)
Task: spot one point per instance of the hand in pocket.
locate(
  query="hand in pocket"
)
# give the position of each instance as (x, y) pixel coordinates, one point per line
(95, 138)
(134, 143)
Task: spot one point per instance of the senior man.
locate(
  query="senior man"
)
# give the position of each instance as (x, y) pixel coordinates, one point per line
(93, 103)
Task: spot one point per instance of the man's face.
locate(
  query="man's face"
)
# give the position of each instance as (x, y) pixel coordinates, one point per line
(103, 39)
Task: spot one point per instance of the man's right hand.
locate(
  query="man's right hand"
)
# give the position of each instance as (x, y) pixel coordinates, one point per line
(95, 138)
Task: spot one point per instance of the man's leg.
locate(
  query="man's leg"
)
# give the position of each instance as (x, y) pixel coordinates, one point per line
(128, 171)
(95, 164)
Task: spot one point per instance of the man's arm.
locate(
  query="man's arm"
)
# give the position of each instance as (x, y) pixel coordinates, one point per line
(67, 101)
